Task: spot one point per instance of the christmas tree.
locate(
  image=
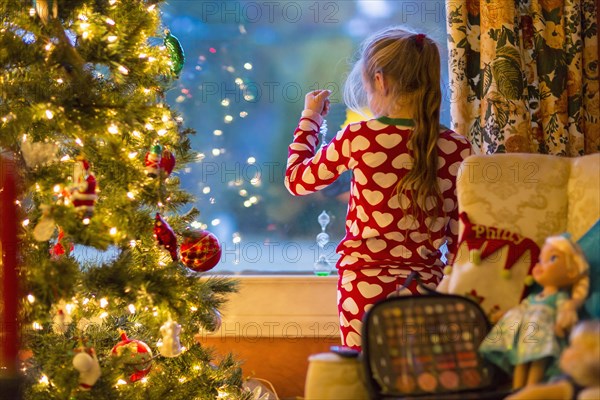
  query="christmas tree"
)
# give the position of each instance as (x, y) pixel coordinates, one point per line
(111, 294)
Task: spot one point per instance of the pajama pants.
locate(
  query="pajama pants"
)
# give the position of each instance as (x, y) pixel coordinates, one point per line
(359, 290)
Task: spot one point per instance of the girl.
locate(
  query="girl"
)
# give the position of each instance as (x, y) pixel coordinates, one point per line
(402, 205)
(529, 337)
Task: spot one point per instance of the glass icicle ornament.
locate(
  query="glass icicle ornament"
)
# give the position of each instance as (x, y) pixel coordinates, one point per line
(322, 267)
(323, 132)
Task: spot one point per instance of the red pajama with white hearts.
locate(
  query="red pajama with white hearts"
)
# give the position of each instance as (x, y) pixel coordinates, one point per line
(382, 238)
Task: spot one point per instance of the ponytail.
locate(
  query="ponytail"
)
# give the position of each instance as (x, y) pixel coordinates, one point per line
(421, 181)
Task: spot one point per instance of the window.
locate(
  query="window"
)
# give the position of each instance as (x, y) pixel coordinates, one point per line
(248, 66)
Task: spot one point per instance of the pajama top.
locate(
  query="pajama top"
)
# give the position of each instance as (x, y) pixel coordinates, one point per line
(378, 232)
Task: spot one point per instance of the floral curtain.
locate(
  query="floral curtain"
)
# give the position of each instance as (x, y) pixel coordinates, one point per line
(524, 75)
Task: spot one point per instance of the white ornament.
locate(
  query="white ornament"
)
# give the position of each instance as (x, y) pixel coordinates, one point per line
(44, 229)
(84, 323)
(60, 322)
(88, 367)
(38, 153)
(62, 318)
(169, 345)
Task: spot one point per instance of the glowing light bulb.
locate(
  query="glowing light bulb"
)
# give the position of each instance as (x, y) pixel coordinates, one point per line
(113, 231)
(228, 119)
(216, 152)
(121, 382)
(161, 132)
(86, 221)
(251, 160)
(113, 129)
(37, 326)
(49, 114)
(25, 222)
(30, 298)
(131, 308)
(130, 195)
(110, 21)
(103, 302)
(206, 190)
(44, 380)
(123, 70)
(112, 38)
(225, 102)
(215, 222)
(79, 142)
(217, 132)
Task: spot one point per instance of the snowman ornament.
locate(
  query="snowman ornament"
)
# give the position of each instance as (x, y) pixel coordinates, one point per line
(170, 345)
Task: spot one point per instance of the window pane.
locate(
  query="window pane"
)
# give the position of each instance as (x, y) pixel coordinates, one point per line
(248, 66)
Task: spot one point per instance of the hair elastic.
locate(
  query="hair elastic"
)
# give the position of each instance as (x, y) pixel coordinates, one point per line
(419, 40)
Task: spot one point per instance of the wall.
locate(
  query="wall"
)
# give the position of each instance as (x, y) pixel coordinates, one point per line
(274, 323)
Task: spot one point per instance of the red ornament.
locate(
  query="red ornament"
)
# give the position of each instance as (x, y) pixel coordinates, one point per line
(167, 162)
(200, 250)
(165, 236)
(159, 160)
(59, 247)
(134, 355)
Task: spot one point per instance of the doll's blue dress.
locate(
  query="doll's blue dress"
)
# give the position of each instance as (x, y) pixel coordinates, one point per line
(526, 333)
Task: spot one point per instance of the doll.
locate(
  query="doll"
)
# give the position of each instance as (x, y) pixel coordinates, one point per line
(580, 362)
(529, 338)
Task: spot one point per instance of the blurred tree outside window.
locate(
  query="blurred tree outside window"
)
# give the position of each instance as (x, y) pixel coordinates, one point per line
(248, 66)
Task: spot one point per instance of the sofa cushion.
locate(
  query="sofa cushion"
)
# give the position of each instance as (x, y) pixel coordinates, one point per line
(584, 194)
(524, 193)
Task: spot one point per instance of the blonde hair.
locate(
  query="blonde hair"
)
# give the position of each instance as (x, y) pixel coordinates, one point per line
(576, 263)
(410, 65)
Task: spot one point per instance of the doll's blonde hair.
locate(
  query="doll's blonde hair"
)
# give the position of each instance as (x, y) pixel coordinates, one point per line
(410, 65)
(576, 262)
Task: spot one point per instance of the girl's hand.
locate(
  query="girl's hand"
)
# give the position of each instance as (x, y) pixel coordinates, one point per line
(317, 101)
